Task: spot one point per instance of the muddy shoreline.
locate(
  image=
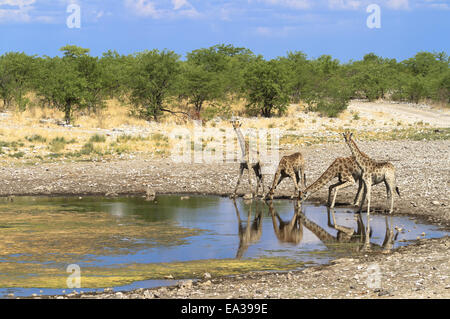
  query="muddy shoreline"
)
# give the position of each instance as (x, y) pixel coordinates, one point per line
(423, 171)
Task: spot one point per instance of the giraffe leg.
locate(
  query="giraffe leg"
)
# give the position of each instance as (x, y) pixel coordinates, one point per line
(241, 172)
(338, 187)
(302, 176)
(276, 180)
(290, 172)
(249, 170)
(255, 171)
(368, 183)
(259, 178)
(357, 199)
(363, 200)
(330, 191)
(390, 186)
(262, 182)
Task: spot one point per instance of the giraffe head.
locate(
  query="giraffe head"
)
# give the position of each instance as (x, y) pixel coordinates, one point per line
(235, 122)
(347, 136)
(303, 195)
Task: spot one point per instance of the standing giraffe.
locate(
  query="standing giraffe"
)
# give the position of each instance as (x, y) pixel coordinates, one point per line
(245, 160)
(292, 166)
(372, 172)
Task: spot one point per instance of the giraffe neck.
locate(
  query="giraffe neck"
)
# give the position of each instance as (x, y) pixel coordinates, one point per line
(321, 181)
(321, 233)
(242, 143)
(360, 157)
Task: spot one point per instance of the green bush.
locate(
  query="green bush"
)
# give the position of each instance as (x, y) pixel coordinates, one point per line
(97, 138)
(87, 149)
(36, 138)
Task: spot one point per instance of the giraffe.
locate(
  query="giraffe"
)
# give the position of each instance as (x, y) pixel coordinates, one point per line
(245, 160)
(346, 170)
(287, 232)
(372, 172)
(292, 166)
(252, 231)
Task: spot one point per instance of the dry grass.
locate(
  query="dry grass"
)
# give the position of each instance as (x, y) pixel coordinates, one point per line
(34, 135)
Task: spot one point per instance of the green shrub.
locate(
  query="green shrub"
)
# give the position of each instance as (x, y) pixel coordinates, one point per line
(36, 138)
(87, 148)
(97, 138)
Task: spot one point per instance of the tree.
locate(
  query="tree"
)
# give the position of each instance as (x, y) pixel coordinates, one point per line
(115, 68)
(266, 85)
(151, 80)
(372, 77)
(299, 70)
(90, 69)
(330, 97)
(205, 76)
(62, 85)
(328, 90)
(16, 74)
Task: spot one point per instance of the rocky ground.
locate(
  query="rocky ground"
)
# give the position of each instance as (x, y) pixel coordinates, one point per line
(417, 271)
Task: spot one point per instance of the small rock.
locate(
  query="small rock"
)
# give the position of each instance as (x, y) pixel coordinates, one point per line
(248, 196)
(185, 284)
(119, 295)
(207, 275)
(383, 293)
(148, 295)
(150, 194)
(111, 194)
(435, 202)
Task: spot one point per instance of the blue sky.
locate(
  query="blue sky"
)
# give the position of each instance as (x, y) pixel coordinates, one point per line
(267, 27)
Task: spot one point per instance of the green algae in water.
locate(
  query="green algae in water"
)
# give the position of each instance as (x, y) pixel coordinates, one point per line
(37, 276)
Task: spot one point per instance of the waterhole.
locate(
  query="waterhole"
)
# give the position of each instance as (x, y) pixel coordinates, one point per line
(128, 243)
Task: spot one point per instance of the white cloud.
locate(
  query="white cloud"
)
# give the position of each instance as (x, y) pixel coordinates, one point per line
(17, 3)
(177, 4)
(274, 32)
(295, 4)
(398, 4)
(437, 4)
(344, 4)
(148, 8)
(143, 8)
(19, 13)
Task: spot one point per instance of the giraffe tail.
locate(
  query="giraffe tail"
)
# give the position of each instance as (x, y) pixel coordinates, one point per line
(398, 191)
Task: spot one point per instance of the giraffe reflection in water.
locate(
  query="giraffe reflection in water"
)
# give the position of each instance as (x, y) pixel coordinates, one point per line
(349, 239)
(358, 240)
(287, 232)
(252, 231)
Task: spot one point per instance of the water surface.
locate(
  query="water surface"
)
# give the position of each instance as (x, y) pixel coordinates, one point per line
(130, 243)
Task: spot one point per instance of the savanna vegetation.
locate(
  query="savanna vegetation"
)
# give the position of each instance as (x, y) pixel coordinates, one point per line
(206, 82)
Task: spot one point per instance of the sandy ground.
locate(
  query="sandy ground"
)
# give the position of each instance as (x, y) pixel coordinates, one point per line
(417, 271)
(408, 113)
